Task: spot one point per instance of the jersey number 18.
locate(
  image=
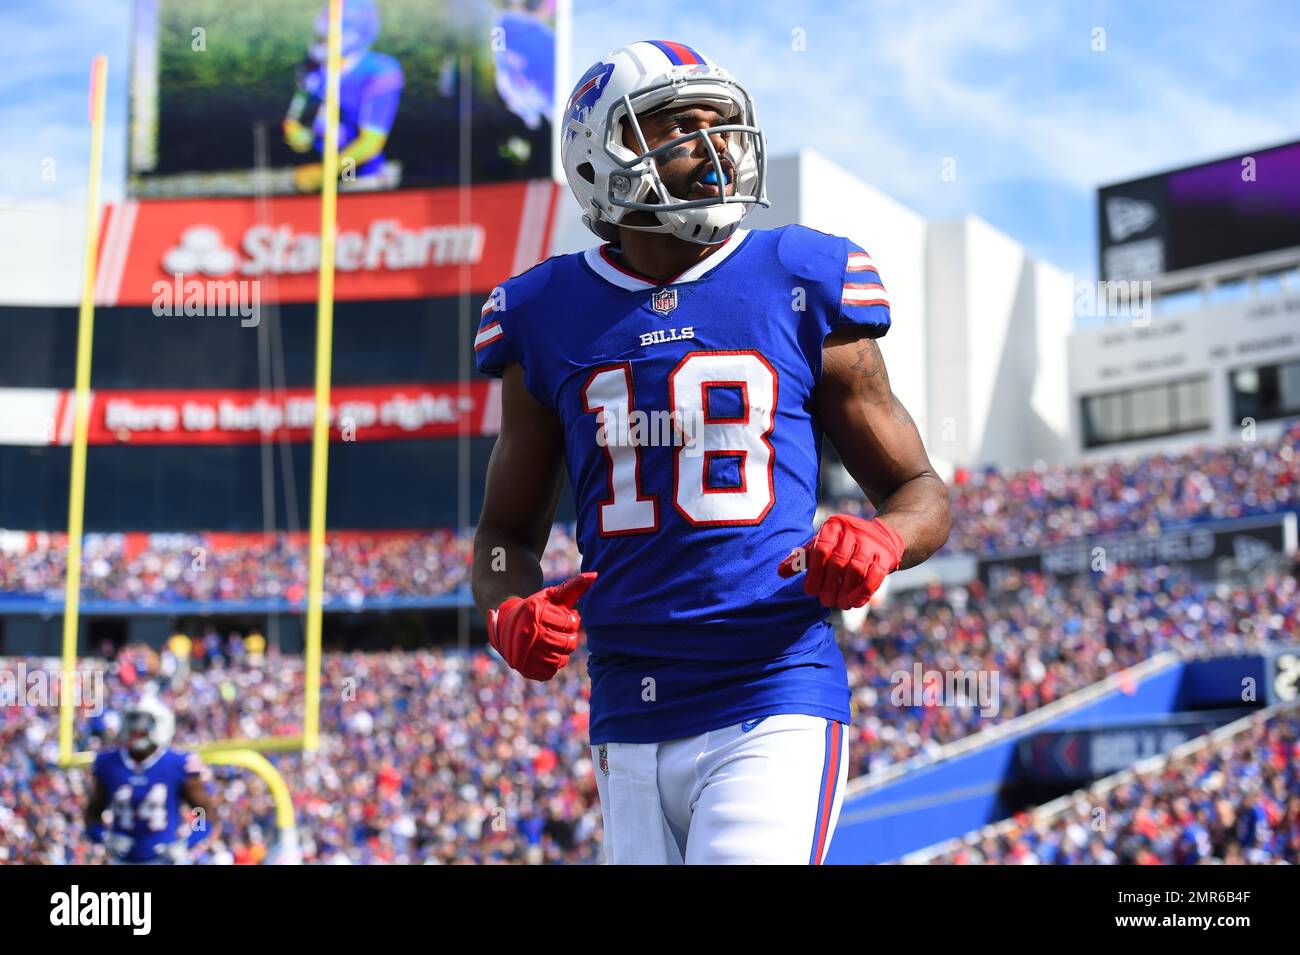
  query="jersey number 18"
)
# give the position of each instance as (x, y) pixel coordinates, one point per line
(723, 403)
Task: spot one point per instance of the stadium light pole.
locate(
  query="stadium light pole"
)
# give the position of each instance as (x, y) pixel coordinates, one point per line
(81, 407)
(320, 433)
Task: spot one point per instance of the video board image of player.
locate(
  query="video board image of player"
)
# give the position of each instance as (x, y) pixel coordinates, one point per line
(370, 89)
(227, 99)
(525, 61)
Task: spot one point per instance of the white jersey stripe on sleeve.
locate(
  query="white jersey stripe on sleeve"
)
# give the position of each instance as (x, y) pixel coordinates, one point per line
(487, 335)
(870, 293)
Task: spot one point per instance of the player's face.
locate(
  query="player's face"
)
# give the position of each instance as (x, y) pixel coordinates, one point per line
(682, 169)
(137, 735)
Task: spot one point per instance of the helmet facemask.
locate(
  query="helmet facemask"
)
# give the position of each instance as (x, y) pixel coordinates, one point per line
(139, 728)
(636, 184)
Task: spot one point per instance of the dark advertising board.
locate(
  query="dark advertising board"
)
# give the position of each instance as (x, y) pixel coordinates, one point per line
(1213, 212)
(1205, 549)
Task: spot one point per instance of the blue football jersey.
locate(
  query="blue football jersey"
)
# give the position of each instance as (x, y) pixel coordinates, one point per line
(145, 798)
(694, 457)
(369, 94)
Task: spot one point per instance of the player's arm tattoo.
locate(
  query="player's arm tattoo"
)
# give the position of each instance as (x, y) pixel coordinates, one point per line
(872, 381)
(880, 445)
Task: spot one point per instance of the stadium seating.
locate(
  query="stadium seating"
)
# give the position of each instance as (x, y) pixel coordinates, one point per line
(447, 756)
(1235, 801)
(993, 512)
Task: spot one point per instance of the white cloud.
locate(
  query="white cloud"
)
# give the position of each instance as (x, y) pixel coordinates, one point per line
(44, 95)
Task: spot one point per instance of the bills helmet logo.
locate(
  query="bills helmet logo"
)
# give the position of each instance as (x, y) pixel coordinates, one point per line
(585, 95)
(664, 300)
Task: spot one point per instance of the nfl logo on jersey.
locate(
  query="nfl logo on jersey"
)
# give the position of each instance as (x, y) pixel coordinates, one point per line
(664, 300)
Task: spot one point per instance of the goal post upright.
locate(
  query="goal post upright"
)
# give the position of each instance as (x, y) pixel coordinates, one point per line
(81, 407)
(324, 358)
(310, 736)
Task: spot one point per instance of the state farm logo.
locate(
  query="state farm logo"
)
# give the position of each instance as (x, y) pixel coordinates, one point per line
(384, 246)
(200, 250)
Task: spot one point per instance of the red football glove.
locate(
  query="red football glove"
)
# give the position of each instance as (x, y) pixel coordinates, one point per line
(847, 560)
(536, 634)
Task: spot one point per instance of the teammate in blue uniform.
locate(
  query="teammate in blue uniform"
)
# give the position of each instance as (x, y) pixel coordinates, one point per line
(684, 374)
(144, 785)
(525, 62)
(370, 90)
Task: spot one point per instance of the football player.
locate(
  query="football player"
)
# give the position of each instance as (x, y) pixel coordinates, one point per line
(684, 372)
(370, 89)
(144, 784)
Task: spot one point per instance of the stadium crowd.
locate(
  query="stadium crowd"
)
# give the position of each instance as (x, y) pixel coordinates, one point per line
(1234, 802)
(1042, 637)
(425, 757)
(447, 756)
(993, 512)
(442, 756)
(189, 567)
(997, 511)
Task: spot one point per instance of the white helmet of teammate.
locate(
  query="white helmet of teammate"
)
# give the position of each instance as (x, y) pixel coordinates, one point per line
(149, 724)
(610, 180)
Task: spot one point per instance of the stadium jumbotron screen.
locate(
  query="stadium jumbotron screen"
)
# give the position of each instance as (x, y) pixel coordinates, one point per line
(222, 90)
(1212, 212)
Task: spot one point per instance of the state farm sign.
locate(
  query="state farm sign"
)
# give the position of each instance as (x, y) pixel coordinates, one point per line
(280, 250)
(412, 244)
(384, 245)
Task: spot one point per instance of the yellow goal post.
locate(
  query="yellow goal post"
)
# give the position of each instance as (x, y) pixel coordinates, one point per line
(309, 738)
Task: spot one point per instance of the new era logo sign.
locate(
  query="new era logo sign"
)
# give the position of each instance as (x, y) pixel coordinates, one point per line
(664, 300)
(1127, 217)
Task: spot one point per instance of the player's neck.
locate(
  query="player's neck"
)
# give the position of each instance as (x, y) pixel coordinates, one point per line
(660, 256)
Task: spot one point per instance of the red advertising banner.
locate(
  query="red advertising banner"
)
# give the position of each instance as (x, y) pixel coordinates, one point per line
(357, 413)
(419, 243)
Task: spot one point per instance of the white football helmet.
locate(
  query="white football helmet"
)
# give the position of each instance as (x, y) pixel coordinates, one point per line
(148, 716)
(360, 29)
(609, 179)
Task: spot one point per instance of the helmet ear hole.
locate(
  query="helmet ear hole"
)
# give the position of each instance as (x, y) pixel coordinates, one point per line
(586, 171)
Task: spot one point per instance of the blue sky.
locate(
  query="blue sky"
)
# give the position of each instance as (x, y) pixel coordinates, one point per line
(1011, 90)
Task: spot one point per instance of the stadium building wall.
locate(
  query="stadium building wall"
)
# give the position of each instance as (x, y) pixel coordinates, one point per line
(1203, 348)
(40, 245)
(1194, 336)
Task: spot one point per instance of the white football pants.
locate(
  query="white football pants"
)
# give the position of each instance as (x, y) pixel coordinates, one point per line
(769, 794)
